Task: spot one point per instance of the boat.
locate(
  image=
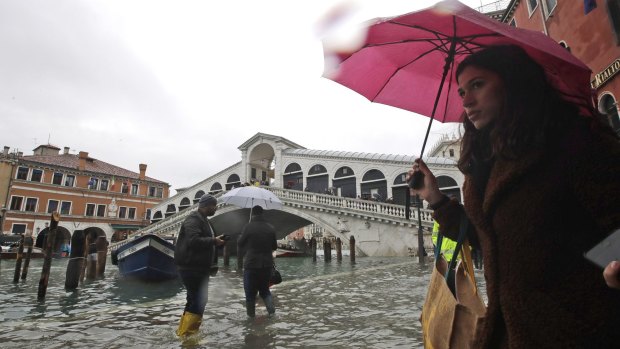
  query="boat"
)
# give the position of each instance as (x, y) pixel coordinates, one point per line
(147, 257)
(285, 252)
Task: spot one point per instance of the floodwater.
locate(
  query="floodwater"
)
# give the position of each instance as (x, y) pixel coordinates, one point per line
(375, 303)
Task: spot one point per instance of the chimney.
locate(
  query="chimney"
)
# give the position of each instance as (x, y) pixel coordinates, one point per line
(82, 164)
(142, 171)
(66, 151)
(6, 151)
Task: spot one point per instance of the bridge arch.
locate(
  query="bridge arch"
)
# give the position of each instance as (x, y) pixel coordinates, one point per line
(198, 195)
(317, 180)
(374, 185)
(345, 182)
(215, 188)
(260, 165)
(185, 203)
(233, 181)
(293, 177)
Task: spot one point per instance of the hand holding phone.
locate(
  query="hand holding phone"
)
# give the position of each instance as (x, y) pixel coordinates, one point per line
(606, 251)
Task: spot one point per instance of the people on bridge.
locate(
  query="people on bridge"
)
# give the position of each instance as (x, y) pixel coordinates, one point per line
(194, 254)
(541, 185)
(256, 244)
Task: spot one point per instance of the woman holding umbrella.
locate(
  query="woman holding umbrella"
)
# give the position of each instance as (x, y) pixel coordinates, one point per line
(540, 189)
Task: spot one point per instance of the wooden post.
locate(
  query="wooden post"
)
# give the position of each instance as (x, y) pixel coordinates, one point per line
(352, 248)
(313, 248)
(102, 252)
(47, 262)
(226, 254)
(327, 250)
(85, 256)
(91, 260)
(76, 260)
(18, 259)
(339, 249)
(28, 243)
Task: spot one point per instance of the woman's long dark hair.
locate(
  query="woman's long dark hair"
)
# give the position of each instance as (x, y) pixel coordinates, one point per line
(533, 112)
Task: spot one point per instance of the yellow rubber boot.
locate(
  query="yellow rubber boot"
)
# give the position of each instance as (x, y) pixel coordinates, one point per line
(190, 323)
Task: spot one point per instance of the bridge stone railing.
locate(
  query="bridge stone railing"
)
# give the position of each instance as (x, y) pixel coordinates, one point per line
(387, 212)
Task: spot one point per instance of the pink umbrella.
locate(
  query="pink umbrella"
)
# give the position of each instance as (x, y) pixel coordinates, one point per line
(406, 60)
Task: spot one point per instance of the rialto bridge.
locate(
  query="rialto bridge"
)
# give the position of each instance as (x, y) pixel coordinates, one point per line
(342, 193)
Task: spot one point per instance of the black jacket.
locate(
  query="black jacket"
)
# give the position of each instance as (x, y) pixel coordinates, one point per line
(195, 247)
(257, 243)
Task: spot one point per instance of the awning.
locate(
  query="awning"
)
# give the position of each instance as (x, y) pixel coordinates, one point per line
(125, 227)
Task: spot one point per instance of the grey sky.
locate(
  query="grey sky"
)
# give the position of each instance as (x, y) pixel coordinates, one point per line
(179, 85)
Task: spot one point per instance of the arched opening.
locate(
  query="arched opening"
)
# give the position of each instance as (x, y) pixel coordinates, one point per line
(62, 241)
(448, 186)
(93, 233)
(233, 181)
(374, 186)
(609, 107)
(157, 217)
(400, 189)
(215, 188)
(317, 180)
(293, 177)
(198, 195)
(261, 164)
(344, 182)
(185, 203)
(170, 210)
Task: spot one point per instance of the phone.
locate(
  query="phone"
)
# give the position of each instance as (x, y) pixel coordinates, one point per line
(605, 251)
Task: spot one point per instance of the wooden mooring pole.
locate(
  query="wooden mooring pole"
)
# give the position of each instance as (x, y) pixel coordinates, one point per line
(47, 252)
(338, 250)
(91, 260)
(85, 256)
(28, 243)
(313, 248)
(352, 248)
(18, 259)
(102, 255)
(76, 260)
(327, 250)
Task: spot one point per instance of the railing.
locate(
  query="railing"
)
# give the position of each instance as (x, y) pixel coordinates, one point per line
(390, 212)
(494, 6)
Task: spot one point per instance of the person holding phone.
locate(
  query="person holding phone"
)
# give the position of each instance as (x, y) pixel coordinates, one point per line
(541, 187)
(194, 254)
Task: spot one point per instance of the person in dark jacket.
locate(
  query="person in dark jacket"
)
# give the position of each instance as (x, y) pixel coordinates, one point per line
(194, 254)
(541, 188)
(257, 243)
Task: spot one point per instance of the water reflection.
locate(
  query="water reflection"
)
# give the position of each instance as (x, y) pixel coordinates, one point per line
(375, 303)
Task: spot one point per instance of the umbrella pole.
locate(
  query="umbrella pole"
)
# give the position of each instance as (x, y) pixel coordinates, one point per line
(420, 179)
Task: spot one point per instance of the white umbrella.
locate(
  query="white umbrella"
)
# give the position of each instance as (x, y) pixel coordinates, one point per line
(250, 196)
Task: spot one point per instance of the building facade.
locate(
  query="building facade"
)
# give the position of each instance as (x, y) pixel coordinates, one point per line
(590, 30)
(87, 192)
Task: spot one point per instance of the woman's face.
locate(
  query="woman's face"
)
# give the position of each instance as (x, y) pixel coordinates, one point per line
(482, 92)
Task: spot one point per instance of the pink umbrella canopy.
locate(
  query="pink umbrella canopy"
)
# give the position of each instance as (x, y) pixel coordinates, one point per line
(408, 61)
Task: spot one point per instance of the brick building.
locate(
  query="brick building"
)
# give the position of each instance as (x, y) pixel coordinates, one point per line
(87, 192)
(590, 29)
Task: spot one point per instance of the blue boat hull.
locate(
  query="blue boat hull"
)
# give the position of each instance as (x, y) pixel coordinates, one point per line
(148, 258)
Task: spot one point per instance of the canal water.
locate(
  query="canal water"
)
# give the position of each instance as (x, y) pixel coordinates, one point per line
(375, 303)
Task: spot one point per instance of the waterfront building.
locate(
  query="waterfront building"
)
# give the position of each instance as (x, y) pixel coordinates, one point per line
(590, 30)
(87, 192)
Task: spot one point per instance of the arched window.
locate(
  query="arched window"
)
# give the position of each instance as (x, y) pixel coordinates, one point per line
(374, 186)
(216, 187)
(170, 210)
(344, 171)
(185, 203)
(317, 169)
(373, 175)
(233, 181)
(609, 107)
(291, 168)
(449, 187)
(198, 195)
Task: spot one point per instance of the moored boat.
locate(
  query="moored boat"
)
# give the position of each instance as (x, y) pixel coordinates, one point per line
(147, 257)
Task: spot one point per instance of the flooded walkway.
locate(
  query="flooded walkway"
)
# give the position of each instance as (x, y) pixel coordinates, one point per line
(373, 304)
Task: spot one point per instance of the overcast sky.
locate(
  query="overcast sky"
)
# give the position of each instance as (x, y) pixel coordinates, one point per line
(179, 85)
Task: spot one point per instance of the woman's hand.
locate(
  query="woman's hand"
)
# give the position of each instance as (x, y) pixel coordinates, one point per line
(430, 190)
(612, 275)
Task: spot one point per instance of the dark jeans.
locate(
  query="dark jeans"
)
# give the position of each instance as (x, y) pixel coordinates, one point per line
(197, 286)
(256, 281)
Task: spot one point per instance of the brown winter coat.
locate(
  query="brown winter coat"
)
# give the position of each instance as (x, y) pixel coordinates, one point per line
(537, 218)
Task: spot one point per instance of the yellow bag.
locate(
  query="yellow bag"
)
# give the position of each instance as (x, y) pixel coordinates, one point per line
(449, 321)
